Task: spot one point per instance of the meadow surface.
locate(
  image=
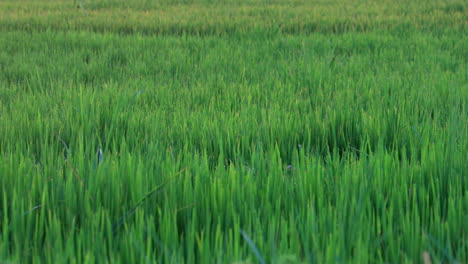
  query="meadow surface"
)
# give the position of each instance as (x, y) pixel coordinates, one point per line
(243, 131)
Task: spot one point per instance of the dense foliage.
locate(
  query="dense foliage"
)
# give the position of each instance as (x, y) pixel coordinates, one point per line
(233, 131)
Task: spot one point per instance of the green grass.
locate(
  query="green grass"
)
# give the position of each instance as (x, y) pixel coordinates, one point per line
(231, 17)
(239, 137)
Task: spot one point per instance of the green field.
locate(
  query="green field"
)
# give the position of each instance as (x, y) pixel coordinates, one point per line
(243, 131)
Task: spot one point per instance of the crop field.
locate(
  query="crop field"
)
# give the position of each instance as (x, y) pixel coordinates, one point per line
(242, 131)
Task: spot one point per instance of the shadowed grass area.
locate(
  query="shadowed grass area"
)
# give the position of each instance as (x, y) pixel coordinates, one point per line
(250, 142)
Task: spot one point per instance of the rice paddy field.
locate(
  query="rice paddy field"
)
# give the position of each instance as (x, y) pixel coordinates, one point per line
(243, 131)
